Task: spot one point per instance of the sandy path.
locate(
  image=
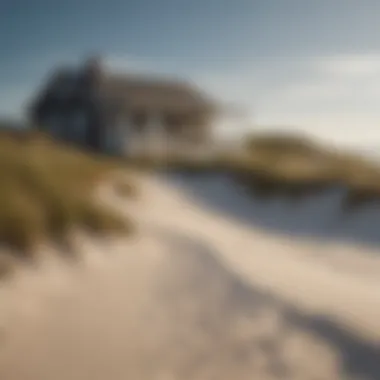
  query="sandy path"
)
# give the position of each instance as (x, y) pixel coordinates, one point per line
(194, 296)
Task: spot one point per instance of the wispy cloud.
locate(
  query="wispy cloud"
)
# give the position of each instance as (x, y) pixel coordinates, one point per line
(333, 97)
(351, 66)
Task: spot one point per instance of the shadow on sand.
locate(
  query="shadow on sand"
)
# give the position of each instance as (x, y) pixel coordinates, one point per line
(221, 298)
(319, 216)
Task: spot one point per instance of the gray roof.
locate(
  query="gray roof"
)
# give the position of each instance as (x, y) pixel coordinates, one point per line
(131, 91)
(145, 92)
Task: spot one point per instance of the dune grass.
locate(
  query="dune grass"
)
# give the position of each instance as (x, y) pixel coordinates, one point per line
(6, 266)
(47, 191)
(298, 166)
(125, 189)
(285, 165)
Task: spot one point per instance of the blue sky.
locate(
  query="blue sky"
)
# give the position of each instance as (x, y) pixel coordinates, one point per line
(312, 65)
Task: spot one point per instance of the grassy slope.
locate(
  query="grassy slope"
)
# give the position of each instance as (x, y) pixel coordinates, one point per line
(287, 165)
(46, 190)
(296, 166)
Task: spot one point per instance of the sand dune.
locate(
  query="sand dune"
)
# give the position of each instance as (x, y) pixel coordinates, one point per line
(198, 294)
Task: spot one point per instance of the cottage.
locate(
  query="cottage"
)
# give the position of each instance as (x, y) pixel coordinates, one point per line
(108, 112)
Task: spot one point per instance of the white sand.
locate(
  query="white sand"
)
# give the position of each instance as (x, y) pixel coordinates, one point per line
(196, 295)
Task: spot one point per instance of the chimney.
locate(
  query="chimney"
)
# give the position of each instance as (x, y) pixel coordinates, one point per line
(93, 69)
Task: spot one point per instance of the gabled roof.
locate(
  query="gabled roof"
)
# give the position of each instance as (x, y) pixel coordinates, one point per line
(137, 91)
(155, 93)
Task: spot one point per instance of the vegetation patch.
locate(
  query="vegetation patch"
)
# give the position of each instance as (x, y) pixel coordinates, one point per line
(47, 190)
(290, 166)
(298, 167)
(6, 265)
(125, 188)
